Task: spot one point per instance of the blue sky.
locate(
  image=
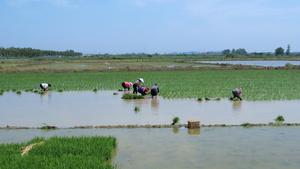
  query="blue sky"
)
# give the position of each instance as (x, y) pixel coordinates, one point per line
(150, 26)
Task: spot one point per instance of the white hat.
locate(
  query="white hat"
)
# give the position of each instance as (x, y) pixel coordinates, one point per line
(141, 79)
(130, 83)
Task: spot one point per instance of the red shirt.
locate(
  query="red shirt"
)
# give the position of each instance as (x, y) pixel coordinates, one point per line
(127, 84)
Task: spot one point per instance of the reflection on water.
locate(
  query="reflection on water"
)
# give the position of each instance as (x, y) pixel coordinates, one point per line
(237, 108)
(216, 147)
(154, 106)
(194, 131)
(69, 109)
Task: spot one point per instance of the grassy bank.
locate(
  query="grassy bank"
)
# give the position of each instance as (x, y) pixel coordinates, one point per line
(256, 84)
(59, 152)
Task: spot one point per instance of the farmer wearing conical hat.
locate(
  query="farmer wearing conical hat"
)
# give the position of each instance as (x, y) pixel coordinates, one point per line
(137, 84)
(237, 93)
(126, 85)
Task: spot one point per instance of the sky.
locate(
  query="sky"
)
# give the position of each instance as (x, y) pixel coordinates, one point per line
(150, 26)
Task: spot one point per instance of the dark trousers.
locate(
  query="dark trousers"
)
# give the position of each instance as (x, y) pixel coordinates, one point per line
(236, 94)
(135, 88)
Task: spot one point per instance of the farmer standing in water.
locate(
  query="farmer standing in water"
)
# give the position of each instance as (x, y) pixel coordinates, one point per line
(143, 90)
(154, 91)
(45, 86)
(237, 93)
(137, 84)
(126, 85)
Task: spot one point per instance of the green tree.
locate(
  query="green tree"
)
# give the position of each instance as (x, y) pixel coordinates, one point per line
(226, 51)
(279, 51)
(288, 50)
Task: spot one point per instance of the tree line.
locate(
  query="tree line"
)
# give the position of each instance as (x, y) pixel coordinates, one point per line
(13, 52)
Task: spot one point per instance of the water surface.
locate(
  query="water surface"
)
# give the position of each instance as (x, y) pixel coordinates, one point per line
(254, 63)
(69, 109)
(208, 147)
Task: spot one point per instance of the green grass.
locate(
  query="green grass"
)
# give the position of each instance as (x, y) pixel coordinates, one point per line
(60, 152)
(136, 108)
(256, 84)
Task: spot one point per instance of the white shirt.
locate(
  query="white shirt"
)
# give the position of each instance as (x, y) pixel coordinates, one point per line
(45, 85)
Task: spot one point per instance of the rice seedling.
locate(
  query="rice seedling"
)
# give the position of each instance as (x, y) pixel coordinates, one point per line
(14, 90)
(235, 99)
(218, 99)
(19, 92)
(116, 93)
(136, 108)
(200, 99)
(35, 91)
(132, 96)
(60, 90)
(59, 152)
(206, 98)
(279, 118)
(41, 92)
(95, 90)
(256, 84)
(175, 120)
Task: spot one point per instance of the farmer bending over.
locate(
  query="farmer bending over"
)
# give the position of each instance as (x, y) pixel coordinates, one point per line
(143, 90)
(126, 85)
(45, 86)
(154, 91)
(137, 84)
(237, 93)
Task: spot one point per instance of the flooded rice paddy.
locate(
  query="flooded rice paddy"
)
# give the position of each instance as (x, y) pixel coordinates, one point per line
(274, 63)
(178, 147)
(69, 109)
(207, 147)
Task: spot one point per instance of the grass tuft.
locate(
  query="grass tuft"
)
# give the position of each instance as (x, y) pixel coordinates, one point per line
(279, 118)
(136, 108)
(175, 120)
(246, 125)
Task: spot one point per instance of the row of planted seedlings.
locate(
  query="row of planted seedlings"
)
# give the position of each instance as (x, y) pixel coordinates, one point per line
(60, 152)
(256, 84)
